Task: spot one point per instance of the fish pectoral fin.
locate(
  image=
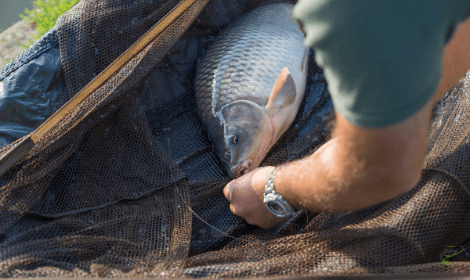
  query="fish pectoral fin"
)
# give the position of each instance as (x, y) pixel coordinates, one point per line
(305, 60)
(283, 93)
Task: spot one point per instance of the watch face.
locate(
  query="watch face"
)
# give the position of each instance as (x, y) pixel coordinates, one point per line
(276, 208)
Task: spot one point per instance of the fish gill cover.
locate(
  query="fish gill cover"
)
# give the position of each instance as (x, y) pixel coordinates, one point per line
(128, 184)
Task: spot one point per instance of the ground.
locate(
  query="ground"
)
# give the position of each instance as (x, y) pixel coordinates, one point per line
(13, 39)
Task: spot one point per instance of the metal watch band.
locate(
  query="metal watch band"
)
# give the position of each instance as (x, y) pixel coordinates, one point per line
(274, 201)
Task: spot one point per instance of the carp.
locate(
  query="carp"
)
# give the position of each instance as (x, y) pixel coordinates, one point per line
(249, 85)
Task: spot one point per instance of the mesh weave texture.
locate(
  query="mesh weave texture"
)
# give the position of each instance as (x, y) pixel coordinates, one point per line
(111, 189)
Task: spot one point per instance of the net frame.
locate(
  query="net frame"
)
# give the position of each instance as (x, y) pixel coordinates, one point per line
(310, 245)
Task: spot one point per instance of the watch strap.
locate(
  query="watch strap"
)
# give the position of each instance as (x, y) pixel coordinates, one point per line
(272, 197)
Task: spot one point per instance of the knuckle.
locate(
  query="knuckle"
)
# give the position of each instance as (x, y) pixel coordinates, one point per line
(227, 192)
(234, 209)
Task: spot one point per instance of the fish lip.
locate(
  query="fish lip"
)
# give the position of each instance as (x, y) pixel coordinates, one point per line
(231, 174)
(242, 166)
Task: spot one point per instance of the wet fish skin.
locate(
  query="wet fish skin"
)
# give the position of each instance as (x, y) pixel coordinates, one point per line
(250, 83)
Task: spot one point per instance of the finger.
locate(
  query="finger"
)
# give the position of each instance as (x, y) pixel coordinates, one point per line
(228, 191)
(232, 208)
(265, 223)
(262, 223)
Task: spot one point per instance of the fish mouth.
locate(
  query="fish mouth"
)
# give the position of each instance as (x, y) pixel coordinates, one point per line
(242, 168)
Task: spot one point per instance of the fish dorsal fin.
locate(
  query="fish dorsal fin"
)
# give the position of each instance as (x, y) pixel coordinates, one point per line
(283, 93)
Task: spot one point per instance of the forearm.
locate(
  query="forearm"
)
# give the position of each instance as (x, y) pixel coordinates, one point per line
(309, 183)
(456, 59)
(331, 180)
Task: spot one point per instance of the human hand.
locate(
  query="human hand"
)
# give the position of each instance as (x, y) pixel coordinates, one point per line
(246, 195)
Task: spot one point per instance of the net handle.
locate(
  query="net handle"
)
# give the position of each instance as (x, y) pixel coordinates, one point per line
(12, 157)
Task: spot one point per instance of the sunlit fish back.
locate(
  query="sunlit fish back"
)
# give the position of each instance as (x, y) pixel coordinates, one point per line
(250, 83)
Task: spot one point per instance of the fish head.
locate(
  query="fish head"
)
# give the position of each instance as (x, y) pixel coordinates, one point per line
(247, 136)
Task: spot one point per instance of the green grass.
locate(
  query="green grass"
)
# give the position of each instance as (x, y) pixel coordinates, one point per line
(45, 14)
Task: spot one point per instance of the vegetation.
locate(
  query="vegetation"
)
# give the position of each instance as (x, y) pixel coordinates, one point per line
(45, 15)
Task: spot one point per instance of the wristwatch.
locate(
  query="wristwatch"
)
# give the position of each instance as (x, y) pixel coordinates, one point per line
(274, 201)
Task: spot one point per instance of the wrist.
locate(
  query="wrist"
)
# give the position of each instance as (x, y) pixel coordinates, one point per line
(281, 186)
(260, 178)
(274, 201)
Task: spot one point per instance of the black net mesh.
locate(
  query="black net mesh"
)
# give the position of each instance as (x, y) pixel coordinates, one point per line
(129, 185)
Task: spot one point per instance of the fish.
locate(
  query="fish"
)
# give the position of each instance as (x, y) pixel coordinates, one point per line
(249, 85)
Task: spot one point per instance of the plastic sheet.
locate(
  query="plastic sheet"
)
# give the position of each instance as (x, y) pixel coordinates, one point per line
(30, 95)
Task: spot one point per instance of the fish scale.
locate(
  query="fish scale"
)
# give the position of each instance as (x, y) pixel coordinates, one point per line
(246, 59)
(246, 54)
